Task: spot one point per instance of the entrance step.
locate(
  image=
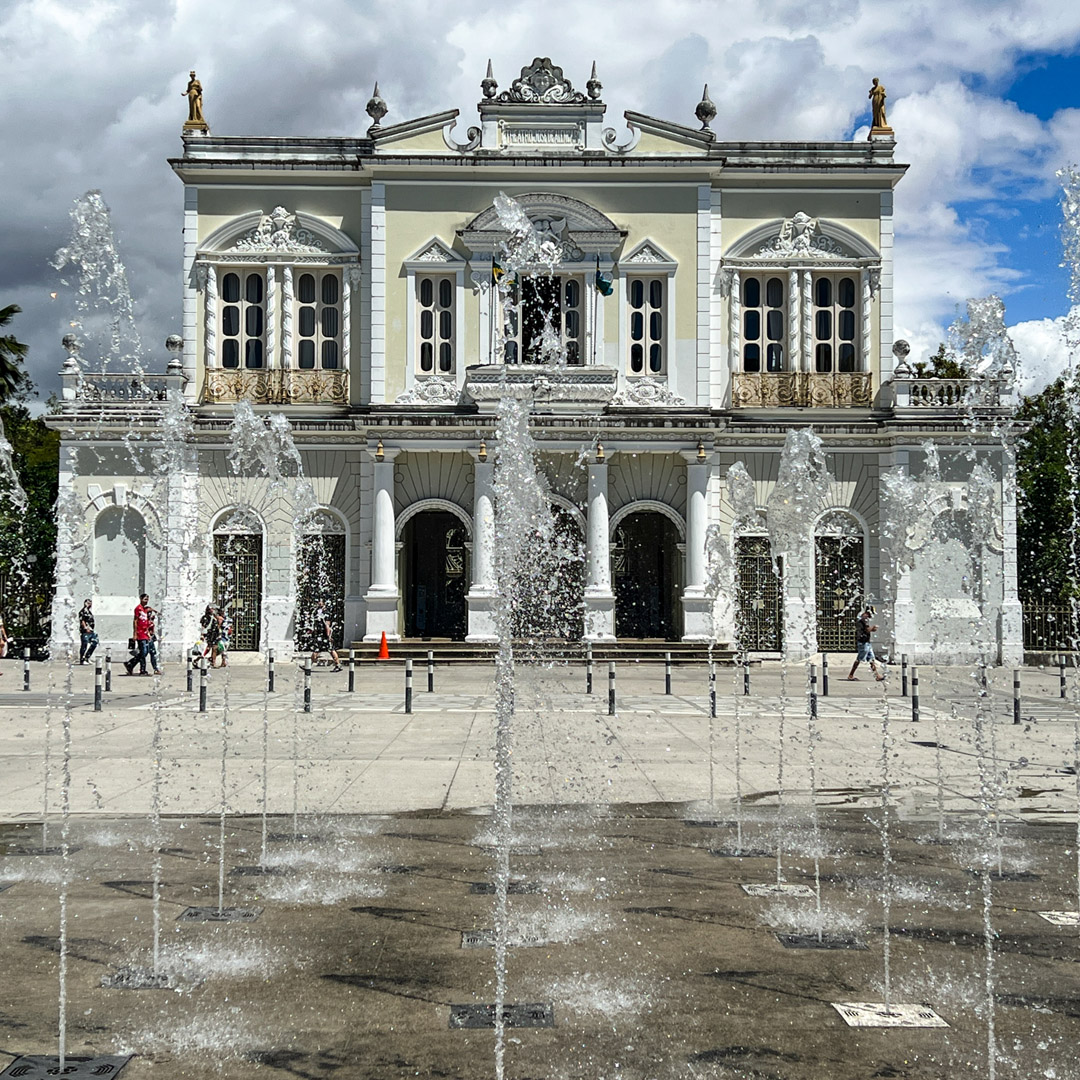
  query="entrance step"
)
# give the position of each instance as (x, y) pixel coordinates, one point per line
(644, 650)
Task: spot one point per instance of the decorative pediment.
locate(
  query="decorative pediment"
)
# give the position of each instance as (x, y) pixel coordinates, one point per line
(430, 392)
(646, 392)
(434, 254)
(648, 254)
(542, 83)
(576, 227)
(801, 238)
(279, 232)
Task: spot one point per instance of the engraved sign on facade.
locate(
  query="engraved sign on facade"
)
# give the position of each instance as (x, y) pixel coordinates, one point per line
(542, 135)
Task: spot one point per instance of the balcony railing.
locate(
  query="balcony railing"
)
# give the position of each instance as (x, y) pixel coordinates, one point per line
(946, 393)
(805, 389)
(277, 386)
(118, 387)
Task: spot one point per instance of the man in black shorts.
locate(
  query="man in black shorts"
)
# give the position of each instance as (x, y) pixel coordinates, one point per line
(322, 635)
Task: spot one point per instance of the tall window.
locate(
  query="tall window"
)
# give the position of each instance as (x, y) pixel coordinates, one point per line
(647, 297)
(318, 319)
(763, 323)
(435, 332)
(532, 305)
(835, 310)
(243, 319)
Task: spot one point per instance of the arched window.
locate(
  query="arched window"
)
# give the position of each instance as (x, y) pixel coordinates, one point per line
(120, 552)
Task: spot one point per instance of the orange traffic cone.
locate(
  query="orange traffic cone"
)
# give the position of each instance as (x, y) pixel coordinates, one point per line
(384, 652)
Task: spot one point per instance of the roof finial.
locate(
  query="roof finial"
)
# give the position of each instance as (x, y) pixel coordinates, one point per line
(706, 110)
(488, 84)
(594, 85)
(376, 109)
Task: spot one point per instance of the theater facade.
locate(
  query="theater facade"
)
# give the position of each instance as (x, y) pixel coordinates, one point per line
(709, 297)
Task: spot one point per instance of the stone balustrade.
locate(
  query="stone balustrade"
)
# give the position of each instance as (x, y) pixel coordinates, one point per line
(118, 387)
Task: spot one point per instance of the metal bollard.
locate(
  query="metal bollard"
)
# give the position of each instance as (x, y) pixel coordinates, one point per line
(611, 688)
(746, 677)
(1016, 695)
(712, 689)
(270, 671)
(307, 684)
(824, 675)
(915, 693)
(408, 684)
(26, 669)
(813, 690)
(352, 671)
(903, 674)
(588, 669)
(108, 671)
(430, 672)
(97, 685)
(667, 673)
(1061, 675)
(190, 665)
(202, 684)
(982, 676)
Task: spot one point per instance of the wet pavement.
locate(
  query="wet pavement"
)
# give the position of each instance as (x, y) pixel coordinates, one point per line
(635, 951)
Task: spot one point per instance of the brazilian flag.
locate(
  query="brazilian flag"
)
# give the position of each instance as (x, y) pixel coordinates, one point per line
(498, 273)
(603, 281)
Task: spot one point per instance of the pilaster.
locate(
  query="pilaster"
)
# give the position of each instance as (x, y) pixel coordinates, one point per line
(482, 595)
(382, 596)
(599, 599)
(697, 605)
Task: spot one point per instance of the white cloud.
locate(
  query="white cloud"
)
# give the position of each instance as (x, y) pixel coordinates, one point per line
(1043, 355)
(92, 99)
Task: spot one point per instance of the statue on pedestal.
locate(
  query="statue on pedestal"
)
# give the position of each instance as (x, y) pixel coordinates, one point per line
(195, 121)
(879, 125)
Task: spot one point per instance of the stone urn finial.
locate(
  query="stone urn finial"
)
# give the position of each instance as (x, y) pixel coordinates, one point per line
(174, 343)
(706, 110)
(488, 85)
(901, 350)
(594, 85)
(72, 344)
(376, 109)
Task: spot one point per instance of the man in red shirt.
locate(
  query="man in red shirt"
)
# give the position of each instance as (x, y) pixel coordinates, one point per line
(142, 630)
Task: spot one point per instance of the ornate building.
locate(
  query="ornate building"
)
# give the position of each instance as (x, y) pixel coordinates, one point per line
(346, 284)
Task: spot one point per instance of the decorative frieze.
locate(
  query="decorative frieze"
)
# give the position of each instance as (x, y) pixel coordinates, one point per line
(430, 392)
(275, 386)
(646, 392)
(804, 389)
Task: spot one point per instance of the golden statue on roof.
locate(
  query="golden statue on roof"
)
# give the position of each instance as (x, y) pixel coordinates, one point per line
(879, 125)
(195, 121)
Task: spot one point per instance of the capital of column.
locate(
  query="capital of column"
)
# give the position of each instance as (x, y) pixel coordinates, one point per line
(383, 455)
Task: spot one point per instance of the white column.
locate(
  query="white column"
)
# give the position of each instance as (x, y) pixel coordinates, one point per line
(794, 323)
(1012, 612)
(287, 318)
(805, 362)
(271, 318)
(696, 604)
(210, 318)
(482, 591)
(382, 597)
(864, 337)
(734, 320)
(599, 599)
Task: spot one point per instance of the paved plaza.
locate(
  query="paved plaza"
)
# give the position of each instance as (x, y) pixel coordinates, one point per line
(634, 949)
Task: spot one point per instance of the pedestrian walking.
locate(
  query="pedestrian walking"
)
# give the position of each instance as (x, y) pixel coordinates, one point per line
(88, 639)
(5, 641)
(143, 634)
(322, 635)
(864, 627)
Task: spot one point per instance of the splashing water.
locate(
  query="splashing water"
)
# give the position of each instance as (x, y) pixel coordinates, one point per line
(106, 310)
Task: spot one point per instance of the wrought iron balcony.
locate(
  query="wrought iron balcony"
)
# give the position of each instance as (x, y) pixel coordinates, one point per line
(801, 389)
(276, 386)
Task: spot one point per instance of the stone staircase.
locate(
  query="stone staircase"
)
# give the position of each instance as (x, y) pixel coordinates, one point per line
(644, 650)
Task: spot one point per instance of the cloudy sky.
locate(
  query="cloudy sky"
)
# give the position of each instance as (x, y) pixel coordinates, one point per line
(982, 94)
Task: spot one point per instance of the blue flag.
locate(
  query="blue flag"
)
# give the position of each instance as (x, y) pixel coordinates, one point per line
(603, 281)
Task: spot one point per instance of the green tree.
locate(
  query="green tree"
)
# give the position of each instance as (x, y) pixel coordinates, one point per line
(28, 538)
(1048, 570)
(941, 366)
(14, 382)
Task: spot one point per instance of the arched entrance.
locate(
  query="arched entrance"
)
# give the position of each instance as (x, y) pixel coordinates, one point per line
(321, 575)
(645, 565)
(436, 575)
(238, 577)
(839, 551)
(550, 601)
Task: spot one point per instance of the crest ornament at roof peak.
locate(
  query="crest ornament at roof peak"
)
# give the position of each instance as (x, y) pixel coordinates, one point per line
(278, 231)
(542, 83)
(488, 85)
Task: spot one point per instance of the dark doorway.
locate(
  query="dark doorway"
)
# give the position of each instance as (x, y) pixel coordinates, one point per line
(760, 596)
(238, 586)
(548, 605)
(645, 565)
(436, 579)
(320, 575)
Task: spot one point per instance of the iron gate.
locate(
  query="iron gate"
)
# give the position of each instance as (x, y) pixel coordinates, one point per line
(238, 586)
(838, 589)
(760, 618)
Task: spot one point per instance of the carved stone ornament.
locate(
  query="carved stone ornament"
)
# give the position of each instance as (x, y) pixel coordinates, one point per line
(645, 392)
(277, 231)
(429, 392)
(434, 253)
(541, 83)
(353, 275)
(646, 254)
(799, 236)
